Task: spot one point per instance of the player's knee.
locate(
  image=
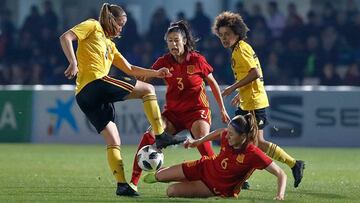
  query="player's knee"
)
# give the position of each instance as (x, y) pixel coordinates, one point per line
(202, 133)
(171, 191)
(149, 89)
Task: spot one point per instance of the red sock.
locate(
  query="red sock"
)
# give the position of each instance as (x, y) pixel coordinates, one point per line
(205, 149)
(147, 139)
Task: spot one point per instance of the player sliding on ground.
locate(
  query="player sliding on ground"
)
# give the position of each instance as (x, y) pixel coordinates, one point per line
(224, 174)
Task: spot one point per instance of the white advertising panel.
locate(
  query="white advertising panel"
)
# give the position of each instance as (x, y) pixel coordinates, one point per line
(58, 119)
(314, 118)
(296, 118)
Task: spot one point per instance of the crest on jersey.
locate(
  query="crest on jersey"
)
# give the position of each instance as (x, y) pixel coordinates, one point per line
(127, 78)
(240, 158)
(171, 69)
(190, 69)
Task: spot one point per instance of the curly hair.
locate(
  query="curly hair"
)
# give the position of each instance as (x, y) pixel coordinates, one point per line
(232, 20)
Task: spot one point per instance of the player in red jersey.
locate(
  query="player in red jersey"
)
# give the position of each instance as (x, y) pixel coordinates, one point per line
(221, 175)
(187, 106)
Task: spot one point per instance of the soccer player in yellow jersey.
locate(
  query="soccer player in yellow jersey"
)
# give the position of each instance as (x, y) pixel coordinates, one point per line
(251, 97)
(96, 91)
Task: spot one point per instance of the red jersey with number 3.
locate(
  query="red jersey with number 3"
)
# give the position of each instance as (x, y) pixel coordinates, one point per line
(186, 87)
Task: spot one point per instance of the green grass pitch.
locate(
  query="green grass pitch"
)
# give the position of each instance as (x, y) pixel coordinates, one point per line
(79, 173)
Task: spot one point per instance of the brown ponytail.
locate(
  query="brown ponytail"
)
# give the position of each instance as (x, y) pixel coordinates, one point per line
(246, 125)
(253, 128)
(107, 18)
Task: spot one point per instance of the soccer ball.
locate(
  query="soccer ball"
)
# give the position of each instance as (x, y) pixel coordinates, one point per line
(149, 158)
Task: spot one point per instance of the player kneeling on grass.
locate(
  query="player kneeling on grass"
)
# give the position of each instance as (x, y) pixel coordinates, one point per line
(224, 174)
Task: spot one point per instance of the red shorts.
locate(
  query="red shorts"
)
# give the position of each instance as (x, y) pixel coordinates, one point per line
(195, 170)
(184, 120)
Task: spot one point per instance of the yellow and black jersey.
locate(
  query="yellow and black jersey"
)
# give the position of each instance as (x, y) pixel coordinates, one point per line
(252, 95)
(95, 52)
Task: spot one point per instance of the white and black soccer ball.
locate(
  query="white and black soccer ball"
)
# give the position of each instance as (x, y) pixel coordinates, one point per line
(149, 158)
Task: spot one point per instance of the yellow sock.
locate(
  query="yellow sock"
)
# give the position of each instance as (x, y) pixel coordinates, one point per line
(116, 163)
(152, 112)
(279, 154)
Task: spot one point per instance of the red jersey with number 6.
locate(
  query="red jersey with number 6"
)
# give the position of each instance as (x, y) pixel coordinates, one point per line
(225, 173)
(186, 87)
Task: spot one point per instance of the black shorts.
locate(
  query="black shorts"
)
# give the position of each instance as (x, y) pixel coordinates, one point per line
(96, 98)
(260, 115)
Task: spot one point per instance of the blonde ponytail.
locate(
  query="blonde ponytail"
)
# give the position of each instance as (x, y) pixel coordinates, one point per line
(107, 18)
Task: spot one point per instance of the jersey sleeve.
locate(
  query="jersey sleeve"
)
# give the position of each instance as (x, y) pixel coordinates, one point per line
(247, 57)
(205, 67)
(159, 63)
(83, 30)
(261, 161)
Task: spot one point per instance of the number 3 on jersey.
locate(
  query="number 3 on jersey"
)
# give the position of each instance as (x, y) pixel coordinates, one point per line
(180, 84)
(203, 114)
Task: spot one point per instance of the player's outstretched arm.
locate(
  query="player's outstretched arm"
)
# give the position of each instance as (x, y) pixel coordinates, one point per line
(251, 76)
(211, 136)
(274, 169)
(215, 89)
(68, 49)
(121, 63)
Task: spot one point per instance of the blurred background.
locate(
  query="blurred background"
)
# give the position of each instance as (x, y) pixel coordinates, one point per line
(308, 42)
(309, 51)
